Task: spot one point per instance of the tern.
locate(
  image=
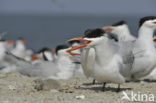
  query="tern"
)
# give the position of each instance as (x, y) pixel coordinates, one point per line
(21, 51)
(120, 29)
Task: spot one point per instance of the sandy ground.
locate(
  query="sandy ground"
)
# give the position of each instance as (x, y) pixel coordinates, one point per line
(16, 88)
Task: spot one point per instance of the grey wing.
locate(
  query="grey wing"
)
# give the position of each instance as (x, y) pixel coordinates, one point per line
(45, 69)
(125, 51)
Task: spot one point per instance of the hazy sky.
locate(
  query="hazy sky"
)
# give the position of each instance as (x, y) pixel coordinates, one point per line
(125, 7)
(49, 28)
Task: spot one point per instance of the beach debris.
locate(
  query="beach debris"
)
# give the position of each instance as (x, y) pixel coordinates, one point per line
(46, 85)
(66, 90)
(54, 91)
(80, 97)
(11, 87)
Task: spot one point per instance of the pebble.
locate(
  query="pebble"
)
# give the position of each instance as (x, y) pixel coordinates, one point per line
(54, 91)
(80, 97)
(11, 87)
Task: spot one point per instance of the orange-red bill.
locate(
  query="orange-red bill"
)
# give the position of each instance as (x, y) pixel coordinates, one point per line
(154, 22)
(75, 48)
(79, 46)
(34, 57)
(24, 41)
(154, 40)
(78, 38)
(10, 42)
(107, 29)
(53, 50)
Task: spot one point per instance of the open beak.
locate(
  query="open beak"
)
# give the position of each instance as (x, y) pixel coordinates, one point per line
(107, 29)
(79, 46)
(52, 50)
(34, 57)
(154, 40)
(10, 42)
(154, 22)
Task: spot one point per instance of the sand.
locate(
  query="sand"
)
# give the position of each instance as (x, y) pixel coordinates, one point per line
(16, 88)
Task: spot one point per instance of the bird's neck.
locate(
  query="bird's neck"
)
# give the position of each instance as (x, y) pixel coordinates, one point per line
(47, 56)
(104, 52)
(84, 56)
(64, 62)
(125, 35)
(63, 58)
(145, 36)
(20, 46)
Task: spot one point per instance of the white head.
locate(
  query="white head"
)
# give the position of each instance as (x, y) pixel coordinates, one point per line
(119, 28)
(61, 50)
(20, 44)
(74, 43)
(92, 38)
(21, 40)
(45, 54)
(149, 22)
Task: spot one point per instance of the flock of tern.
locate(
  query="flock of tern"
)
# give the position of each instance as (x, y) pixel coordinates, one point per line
(119, 57)
(110, 54)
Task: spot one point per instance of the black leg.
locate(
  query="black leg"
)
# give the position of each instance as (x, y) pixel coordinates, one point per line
(118, 89)
(103, 88)
(93, 81)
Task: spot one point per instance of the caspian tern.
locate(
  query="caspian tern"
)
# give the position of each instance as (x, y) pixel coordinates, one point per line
(21, 51)
(110, 59)
(121, 30)
(87, 58)
(104, 61)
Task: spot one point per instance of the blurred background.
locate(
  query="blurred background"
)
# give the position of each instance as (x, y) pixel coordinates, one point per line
(52, 22)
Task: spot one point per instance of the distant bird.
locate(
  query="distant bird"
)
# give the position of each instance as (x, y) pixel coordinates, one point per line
(21, 51)
(45, 54)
